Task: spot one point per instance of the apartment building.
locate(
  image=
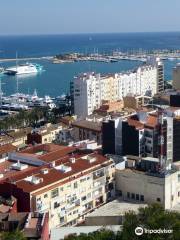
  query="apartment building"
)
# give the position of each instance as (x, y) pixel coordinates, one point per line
(45, 134)
(85, 129)
(64, 181)
(90, 89)
(176, 77)
(140, 134)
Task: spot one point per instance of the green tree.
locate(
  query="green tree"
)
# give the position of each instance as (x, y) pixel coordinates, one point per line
(15, 235)
(152, 217)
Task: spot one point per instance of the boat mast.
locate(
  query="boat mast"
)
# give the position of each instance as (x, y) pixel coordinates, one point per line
(16, 60)
(17, 84)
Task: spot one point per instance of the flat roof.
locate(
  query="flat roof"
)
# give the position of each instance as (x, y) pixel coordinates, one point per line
(116, 208)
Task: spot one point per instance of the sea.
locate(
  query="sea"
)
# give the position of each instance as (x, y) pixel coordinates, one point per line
(55, 79)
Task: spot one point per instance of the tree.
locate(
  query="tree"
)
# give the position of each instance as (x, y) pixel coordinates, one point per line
(152, 217)
(15, 235)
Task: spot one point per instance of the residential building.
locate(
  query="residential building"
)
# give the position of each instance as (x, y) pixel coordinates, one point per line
(17, 137)
(108, 107)
(176, 77)
(112, 136)
(64, 181)
(90, 89)
(32, 225)
(5, 150)
(44, 134)
(86, 129)
(135, 102)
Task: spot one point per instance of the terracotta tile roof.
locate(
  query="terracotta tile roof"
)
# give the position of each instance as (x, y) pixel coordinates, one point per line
(90, 125)
(7, 148)
(54, 175)
(152, 121)
(135, 123)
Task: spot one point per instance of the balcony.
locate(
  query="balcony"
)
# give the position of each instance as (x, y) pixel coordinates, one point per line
(98, 174)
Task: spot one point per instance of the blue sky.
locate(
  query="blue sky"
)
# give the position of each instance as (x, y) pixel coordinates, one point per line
(88, 16)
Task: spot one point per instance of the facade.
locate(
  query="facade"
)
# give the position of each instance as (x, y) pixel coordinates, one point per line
(90, 89)
(176, 77)
(142, 186)
(140, 134)
(136, 102)
(85, 129)
(45, 134)
(112, 136)
(66, 183)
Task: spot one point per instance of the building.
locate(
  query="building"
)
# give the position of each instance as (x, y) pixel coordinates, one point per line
(140, 134)
(144, 181)
(16, 137)
(176, 77)
(90, 89)
(45, 134)
(5, 150)
(85, 129)
(108, 107)
(32, 225)
(64, 181)
(135, 102)
(112, 136)
(112, 213)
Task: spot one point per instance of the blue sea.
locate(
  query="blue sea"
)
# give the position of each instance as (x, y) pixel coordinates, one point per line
(55, 80)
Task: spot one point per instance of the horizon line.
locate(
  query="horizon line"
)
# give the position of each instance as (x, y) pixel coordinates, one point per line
(85, 33)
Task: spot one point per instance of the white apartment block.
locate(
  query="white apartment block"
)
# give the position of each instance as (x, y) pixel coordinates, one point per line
(90, 89)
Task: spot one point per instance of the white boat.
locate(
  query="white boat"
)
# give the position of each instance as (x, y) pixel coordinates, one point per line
(27, 68)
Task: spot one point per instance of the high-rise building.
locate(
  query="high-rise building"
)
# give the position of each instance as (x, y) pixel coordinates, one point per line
(176, 77)
(90, 89)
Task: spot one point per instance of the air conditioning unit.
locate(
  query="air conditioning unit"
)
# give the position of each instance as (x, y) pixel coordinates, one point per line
(45, 171)
(73, 160)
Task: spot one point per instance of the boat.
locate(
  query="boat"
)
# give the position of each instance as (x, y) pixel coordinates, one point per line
(1, 70)
(27, 68)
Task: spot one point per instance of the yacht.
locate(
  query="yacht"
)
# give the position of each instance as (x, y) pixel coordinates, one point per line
(27, 68)
(1, 70)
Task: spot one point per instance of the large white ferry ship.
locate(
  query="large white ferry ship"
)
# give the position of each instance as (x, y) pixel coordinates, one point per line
(26, 68)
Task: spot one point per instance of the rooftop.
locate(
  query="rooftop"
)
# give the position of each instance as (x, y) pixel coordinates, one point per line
(48, 169)
(116, 208)
(90, 125)
(7, 148)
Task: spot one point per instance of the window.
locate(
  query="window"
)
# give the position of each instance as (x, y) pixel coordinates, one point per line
(158, 199)
(137, 197)
(62, 220)
(132, 195)
(83, 198)
(128, 195)
(119, 193)
(88, 195)
(56, 205)
(45, 195)
(142, 198)
(54, 193)
(178, 177)
(75, 185)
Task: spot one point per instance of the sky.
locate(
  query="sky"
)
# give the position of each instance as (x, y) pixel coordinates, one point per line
(88, 16)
